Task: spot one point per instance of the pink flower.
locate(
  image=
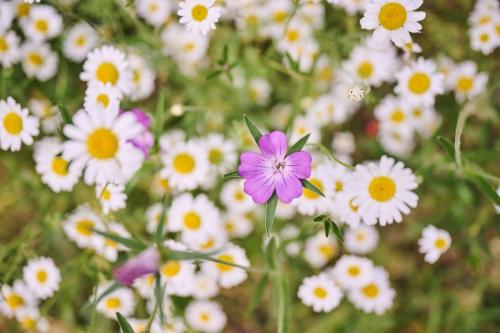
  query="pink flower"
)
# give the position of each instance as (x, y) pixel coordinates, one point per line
(272, 170)
(144, 140)
(146, 262)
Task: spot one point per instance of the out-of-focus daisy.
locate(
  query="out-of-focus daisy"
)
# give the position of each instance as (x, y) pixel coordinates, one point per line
(145, 285)
(56, 172)
(153, 215)
(233, 197)
(420, 81)
(310, 202)
(393, 113)
(485, 38)
(178, 277)
(101, 99)
(208, 241)
(346, 210)
(343, 143)
(80, 225)
(39, 61)
(325, 110)
(206, 316)
(228, 276)
(409, 48)
(16, 298)
(42, 277)
(43, 22)
(6, 15)
(277, 14)
(111, 196)
(320, 292)
(9, 49)
(433, 243)
(107, 64)
(319, 250)
(31, 320)
(121, 300)
(376, 296)
(361, 240)
(199, 16)
(260, 90)
(204, 286)
(184, 46)
(352, 271)
(392, 20)
(16, 125)
(155, 12)
(237, 225)
(221, 152)
(383, 191)
(466, 81)
(143, 78)
(110, 248)
(99, 144)
(48, 113)
(78, 41)
(186, 165)
(21, 8)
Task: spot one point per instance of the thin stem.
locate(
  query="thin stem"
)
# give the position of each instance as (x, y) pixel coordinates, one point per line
(330, 155)
(458, 136)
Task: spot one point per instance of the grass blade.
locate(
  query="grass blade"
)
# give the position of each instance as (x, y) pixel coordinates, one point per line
(336, 230)
(161, 224)
(307, 184)
(298, 145)
(483, 185)
(447, 145)
(232, 174)
(111, 288)
(160, 112)
(270, 212)
(127, 242)
(256, 134)
(124, 325)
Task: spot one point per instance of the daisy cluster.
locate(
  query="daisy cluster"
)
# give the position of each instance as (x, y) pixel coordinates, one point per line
(21, 300)
(484, 29)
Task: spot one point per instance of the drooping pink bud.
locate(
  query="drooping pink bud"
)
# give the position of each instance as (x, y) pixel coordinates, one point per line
(146, 262)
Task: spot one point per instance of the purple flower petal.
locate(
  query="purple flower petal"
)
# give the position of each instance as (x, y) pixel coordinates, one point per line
(273, 144)
(288, 188)
(259, 188)
(300, 164)
(251, 165)
(146, 262)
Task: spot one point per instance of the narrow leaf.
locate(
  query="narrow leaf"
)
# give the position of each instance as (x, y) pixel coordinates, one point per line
(256, 134)
(159, 295)
(257, 294)
(298, 145)
(326, 224)
(160, 112)
(127, 242)
(483, 185)
(214, 74)
(319, 218)
(124, 325)
(193, 255)
(111, 288)
(232, 174)
(308, 185)
(447, 145)
(161, 224)
(270, 212)
(336, 230)
(225, 54)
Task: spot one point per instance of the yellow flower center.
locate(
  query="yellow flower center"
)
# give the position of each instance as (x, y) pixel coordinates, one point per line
(327, 250)
(111, 243)
(136, 76)
(382, 188)
(189, 46)
(326, 74)
(199, 12)
(419, 83)
(370, 290)
(171, 268)
(354, 271)
(41, 276)
(105, 195)
(60, 166)
(113, 302)
(484, 19)
(320, 292)
(417, 112)
(279, 16)
(484, 37)
(35, 59)
(164, 184)
(80, 41)
(107, 72)
(23, 9)
(102, 143)
(440, 243)
(392, 16)
(192, 221)
(292, 35)
(3, 44)
(339, 186)
(184, 163)
(208, 244)
(310, 194)
(224, 267)
(14, 301)
(28, 324)
(215, 156)
(365, 70)
(103, 99)
(84, 227)
(353, 207)
(13, 123)
(397, 116)
(153, 7)
(239, 196)
(204, 316)
(42, 26)
(464, 84)
(360, 236)
(229, 226)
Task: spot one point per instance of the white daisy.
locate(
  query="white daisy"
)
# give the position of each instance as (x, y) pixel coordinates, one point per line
(110, 248)
(485, 38)
(208, 241)
(111, 196)
(466, 81)
(319, 249)
(184, 46)
(396, 142)
(352, 271)
(221, 152)
(101, 98)
(361, 240)
(56, 171)
(351, 6)
(346, 210)
(228, 276)
(392, 20)
(16, 125)
(47, 113)
(6, 16)
(31, 320)
(311, 203)
(154, 12)
(186, 165)
(43, 22)
(39, 61)
(78, 41)
(204, 286)
(21, 8)
(237, 225)
(433, 243)
(344, 143)
(320, 292)
(177, 275)
(277, 14)
(420, 81)
(16, 298)
(383, 191)
(325, 110)
(143, 78)
(42, 277)
(199, 16)
(80, 225)
(121, 300)
(107, 64)
(375, 296)
(100, 146)
(206, 316)
(259, 90)
(393, 113)
(9, 49)
(233, 197)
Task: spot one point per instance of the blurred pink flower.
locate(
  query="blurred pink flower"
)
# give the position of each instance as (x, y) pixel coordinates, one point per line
(146, 262)
(144, 140)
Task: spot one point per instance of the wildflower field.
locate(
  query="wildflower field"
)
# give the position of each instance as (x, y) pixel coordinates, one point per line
(249, 166)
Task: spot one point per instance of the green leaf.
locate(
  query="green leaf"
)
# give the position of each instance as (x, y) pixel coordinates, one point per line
(193, 255)
(336, 230)
(127, 242)
(319, 218)
(256, 134)
(64, 113)
(161, 224)
(326, 224)
(214, 74)
(111, 288)
(232, 174)
(307, 184)
(298, 145)
(257, 294)
(124, 325)
(159, 295)
(160, 112)
(483, 185)
(283, 304)
(447, 145)
(270, 212)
